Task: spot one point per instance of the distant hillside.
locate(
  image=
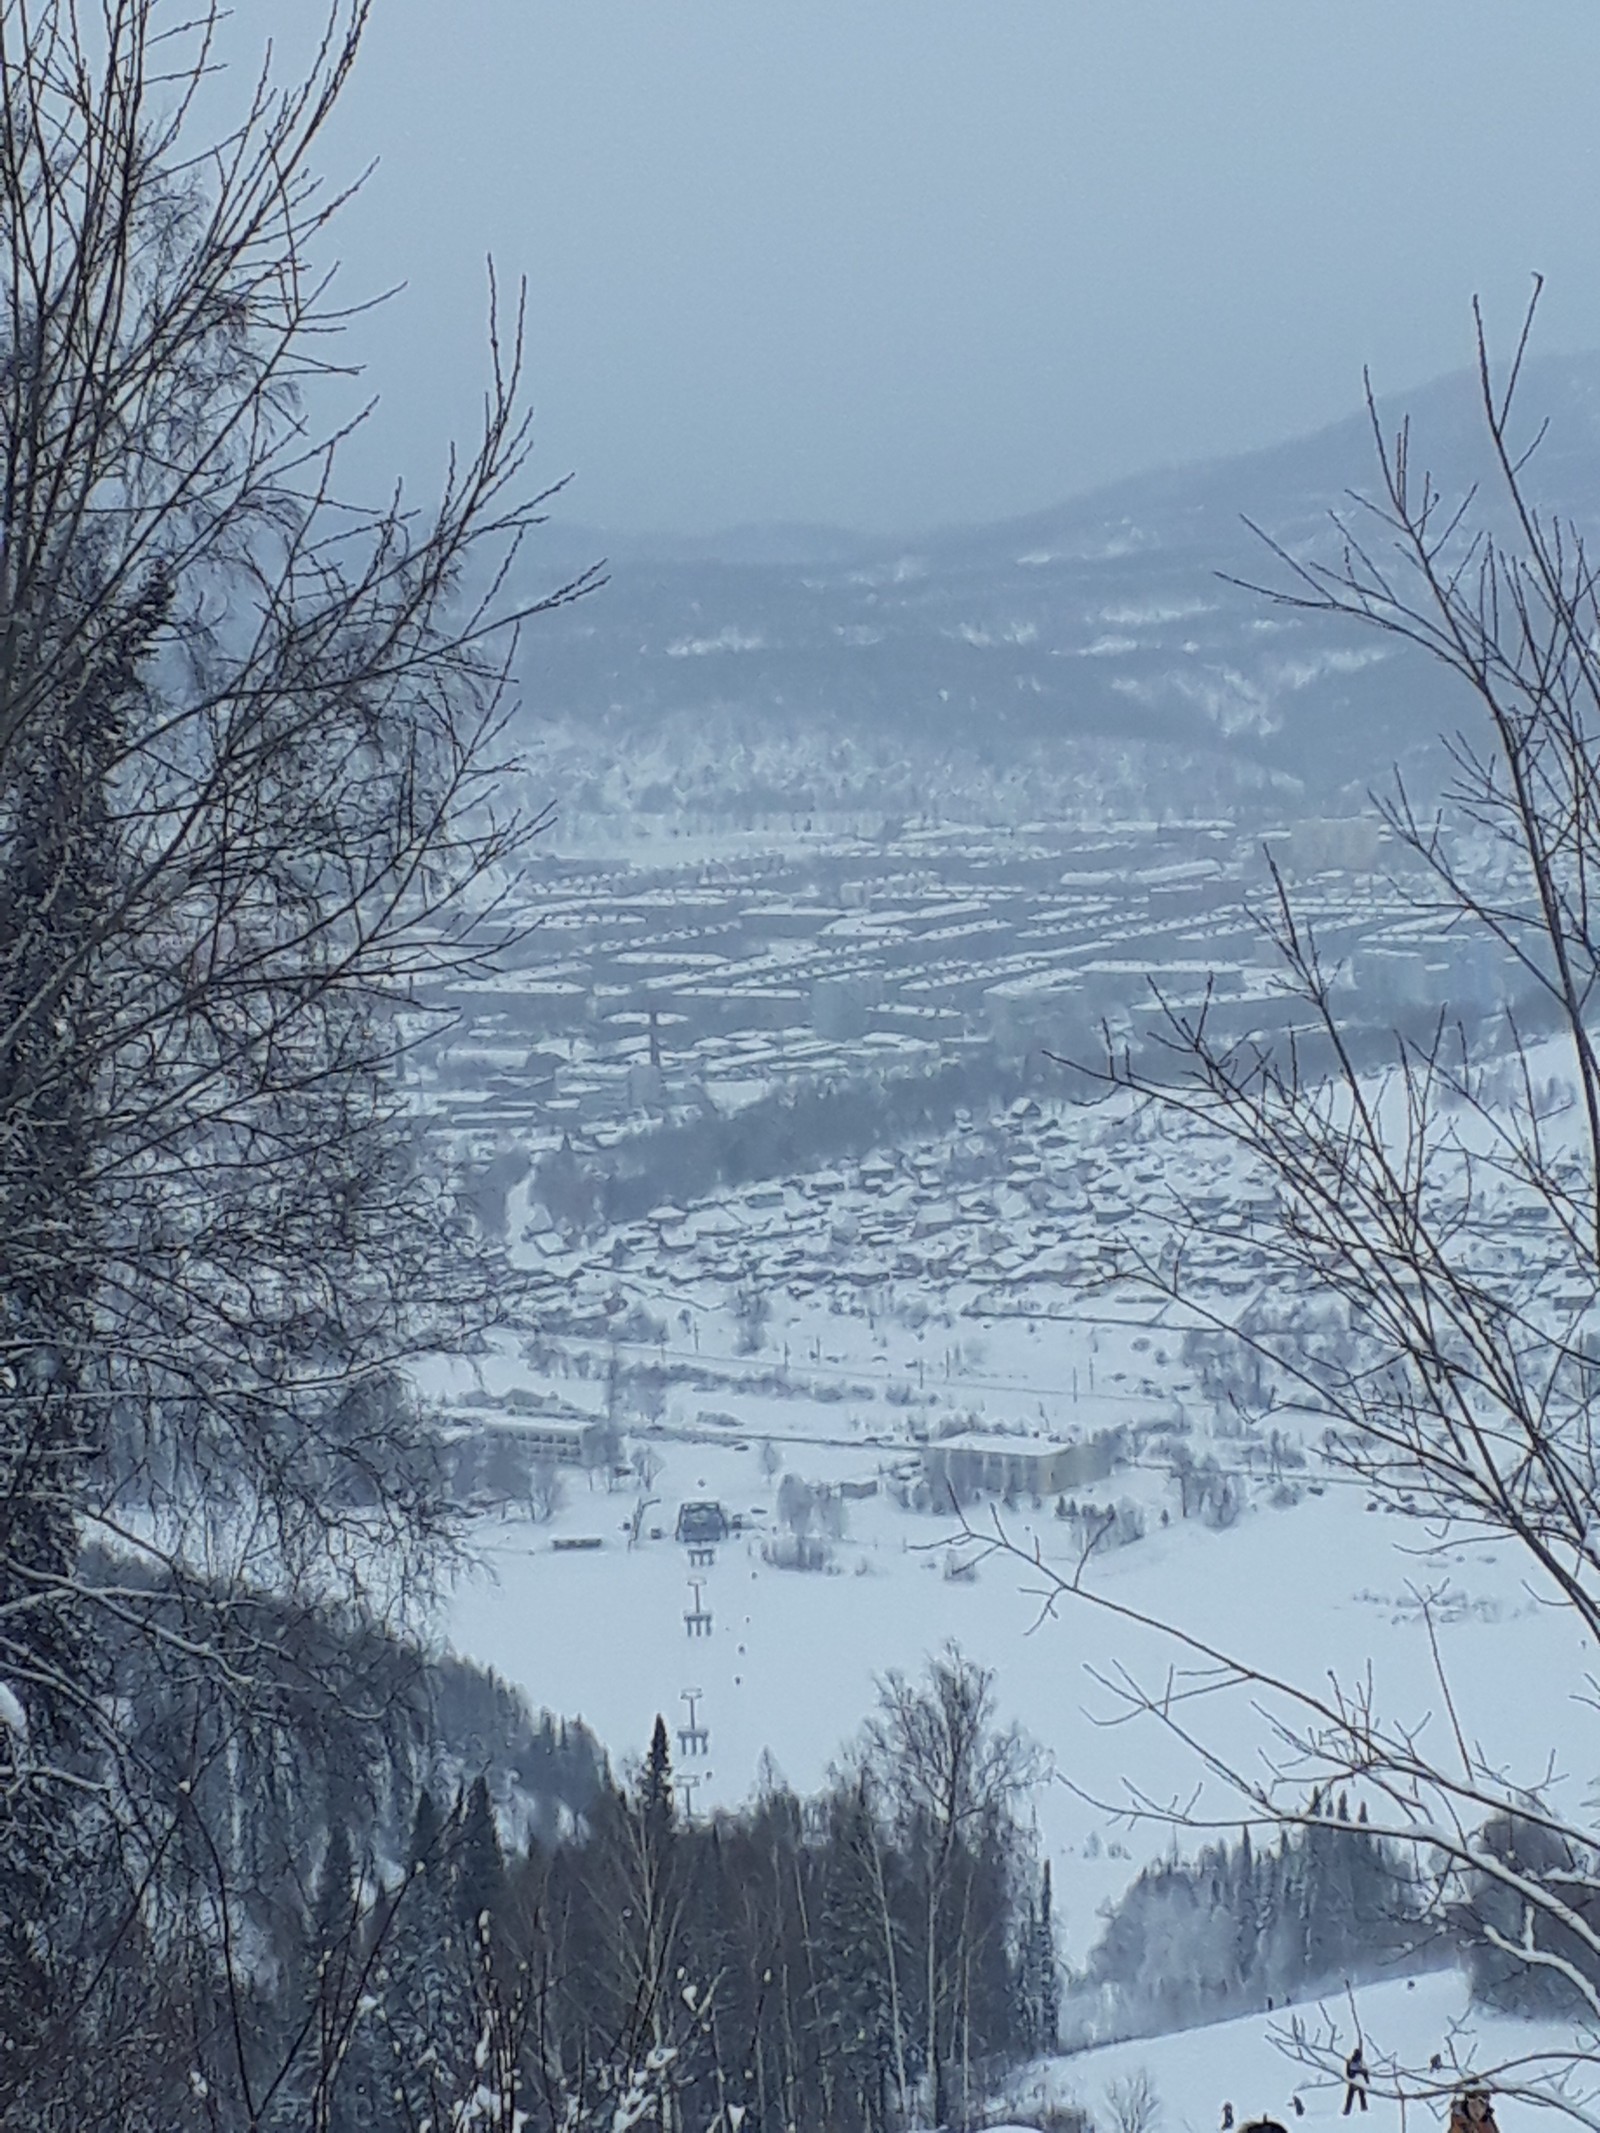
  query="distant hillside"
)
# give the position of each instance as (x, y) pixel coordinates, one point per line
(1086, 658)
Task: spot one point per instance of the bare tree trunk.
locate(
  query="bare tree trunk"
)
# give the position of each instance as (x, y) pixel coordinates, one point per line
(813, 1984)
(940, 2101)
(947, 1770)
(892, 1970)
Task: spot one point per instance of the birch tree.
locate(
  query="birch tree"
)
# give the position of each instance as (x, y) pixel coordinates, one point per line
(252, 800)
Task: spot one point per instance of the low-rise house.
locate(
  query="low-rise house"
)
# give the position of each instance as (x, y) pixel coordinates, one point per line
(569, 1443)
(1022, 1466)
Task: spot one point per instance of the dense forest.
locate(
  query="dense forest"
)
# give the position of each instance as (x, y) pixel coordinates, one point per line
(361, 1940)
(464, 1917)
(1237, 1928)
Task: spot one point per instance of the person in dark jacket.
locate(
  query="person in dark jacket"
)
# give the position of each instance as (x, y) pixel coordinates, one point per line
(1355, 2082)
(1473, 2112)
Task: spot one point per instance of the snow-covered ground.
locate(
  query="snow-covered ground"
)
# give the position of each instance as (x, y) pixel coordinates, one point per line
(905, 1295)
(1259, 2063)
(788, 1669)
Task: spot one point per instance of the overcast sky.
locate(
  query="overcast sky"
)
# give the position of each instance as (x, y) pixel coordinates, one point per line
(895, 263)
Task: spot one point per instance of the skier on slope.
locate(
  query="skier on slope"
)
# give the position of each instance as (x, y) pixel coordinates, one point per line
(1355, 2081)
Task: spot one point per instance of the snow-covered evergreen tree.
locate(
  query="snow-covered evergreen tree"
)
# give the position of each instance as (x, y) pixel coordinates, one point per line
(480, 1875)
(860, 1955)
(1236, 1926)
(1040, 1968)
(424, 1983)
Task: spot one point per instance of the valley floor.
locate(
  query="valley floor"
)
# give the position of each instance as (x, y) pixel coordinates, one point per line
(788, 1668)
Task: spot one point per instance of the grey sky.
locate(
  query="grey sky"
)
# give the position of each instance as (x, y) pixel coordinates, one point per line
(898, 262)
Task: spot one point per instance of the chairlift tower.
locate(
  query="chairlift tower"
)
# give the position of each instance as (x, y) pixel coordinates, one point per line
(697, 1616)
(693, 1737)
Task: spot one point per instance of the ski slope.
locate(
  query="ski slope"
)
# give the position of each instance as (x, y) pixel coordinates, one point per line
(1259, 2063)
(789, 1668)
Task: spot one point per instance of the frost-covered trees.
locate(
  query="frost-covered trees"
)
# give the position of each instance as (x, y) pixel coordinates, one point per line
(547, 1491)
(424, 2012)
(1433, 1216)
(752, 1310)
(863, 2008)
(646, 1872)
(1133, 2104)
(1195, 1940)
(1502, 1929)
(950, 1780)
(249, 801)
(767, 1965)
(1040, 1968)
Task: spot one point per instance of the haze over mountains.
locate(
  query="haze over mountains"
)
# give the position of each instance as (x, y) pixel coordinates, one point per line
(1091, 658)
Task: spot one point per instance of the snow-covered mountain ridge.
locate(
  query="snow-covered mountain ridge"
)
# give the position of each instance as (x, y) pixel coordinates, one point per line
(1092, 656)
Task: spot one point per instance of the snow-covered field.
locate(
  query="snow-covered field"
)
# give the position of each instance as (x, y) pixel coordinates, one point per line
(789, 1667)
(1260, 2062)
